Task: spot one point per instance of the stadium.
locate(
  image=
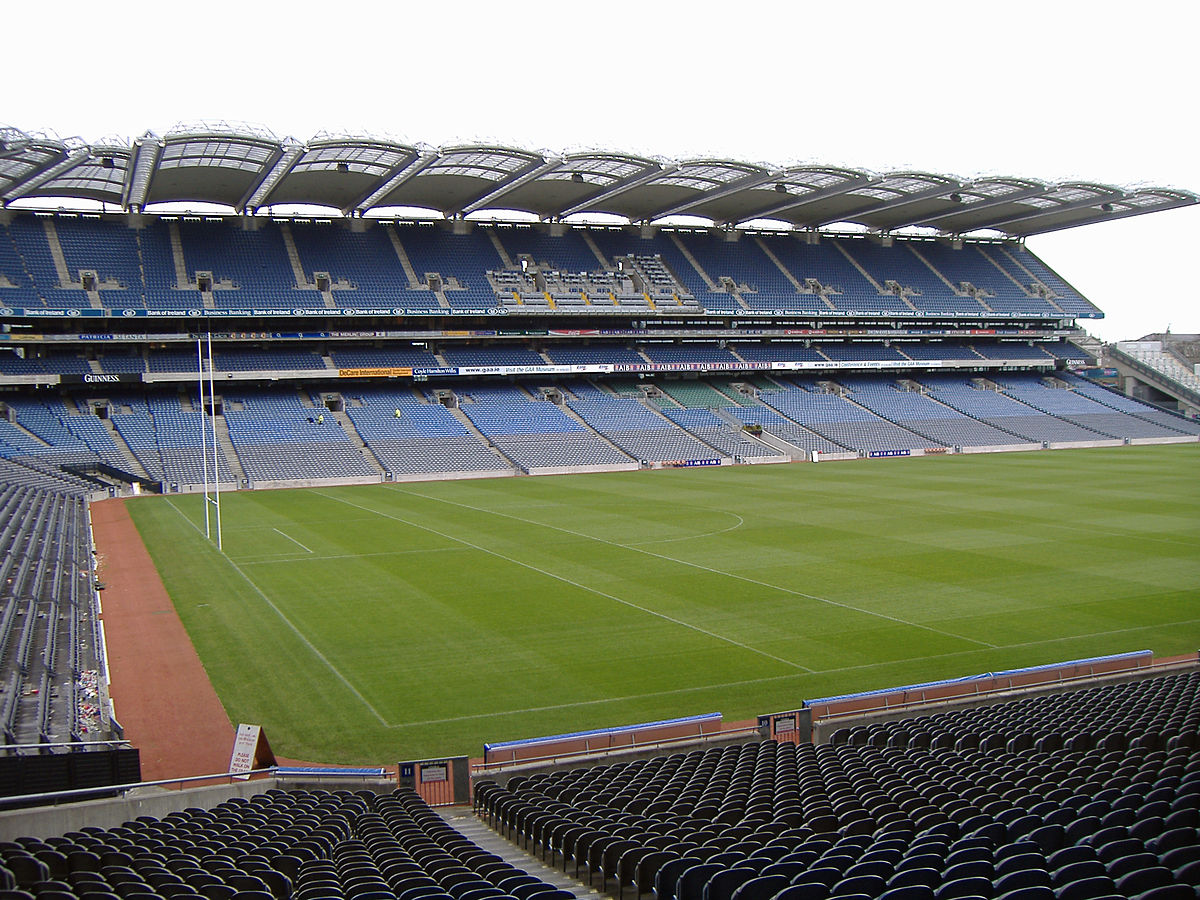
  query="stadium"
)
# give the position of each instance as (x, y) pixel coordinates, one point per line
(482, 483)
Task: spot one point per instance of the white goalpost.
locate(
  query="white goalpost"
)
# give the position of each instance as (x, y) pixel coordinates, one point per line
(212, 498)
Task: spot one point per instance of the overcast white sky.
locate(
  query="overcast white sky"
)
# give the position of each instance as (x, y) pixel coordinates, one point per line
(1055, 91)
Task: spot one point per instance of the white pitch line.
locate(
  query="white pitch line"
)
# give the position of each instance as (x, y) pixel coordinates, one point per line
(582, 587)
(293, 540)
(284, 557)
(770, 678)
(183, 516)
(296, 631)
(636, 549)
(691, 537)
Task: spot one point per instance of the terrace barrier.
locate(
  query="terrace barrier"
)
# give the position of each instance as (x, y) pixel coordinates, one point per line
(828, 712)
(601, 740)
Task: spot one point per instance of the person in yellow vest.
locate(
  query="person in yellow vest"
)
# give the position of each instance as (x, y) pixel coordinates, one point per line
(321, 419)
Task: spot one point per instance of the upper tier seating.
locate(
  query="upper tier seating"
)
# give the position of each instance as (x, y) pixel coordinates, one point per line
(464, 257)
(260, 263)
(845, 287)
(111, 252)
(567, 252)
(617, 243)
(254, 263)
(1065, 297)
(760, 283)
(924, 289)
(28, 236)
(363, 268)
(999, 289)
(16, 287)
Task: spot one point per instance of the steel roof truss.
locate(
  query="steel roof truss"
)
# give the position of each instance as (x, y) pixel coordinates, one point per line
(834, 190)
(988, 203)
(411, 169)
(744, 184)
(617, 190)
(510, 185)
(29, 185)
(141, 173)
(260, 194)
(1096, 197)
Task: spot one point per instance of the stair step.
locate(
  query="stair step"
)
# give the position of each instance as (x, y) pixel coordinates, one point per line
(466, 823)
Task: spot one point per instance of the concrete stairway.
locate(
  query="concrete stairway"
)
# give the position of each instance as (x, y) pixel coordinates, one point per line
(223, 441)
(356, 439)
(474, 830)
(132, 463)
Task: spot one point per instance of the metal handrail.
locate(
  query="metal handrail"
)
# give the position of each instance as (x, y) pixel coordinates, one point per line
(74, 746)
(25, 799)
(1007, 689)
(575, 756)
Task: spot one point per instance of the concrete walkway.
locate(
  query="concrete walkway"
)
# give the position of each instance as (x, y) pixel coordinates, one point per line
(476, 831)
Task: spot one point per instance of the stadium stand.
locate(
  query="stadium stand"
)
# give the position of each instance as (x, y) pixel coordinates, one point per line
(1080, 793)
(411, 436)
(52, 680)
(366, 348)
(536, 434)
(1091, 793)
(1153, 354)
(287, 437)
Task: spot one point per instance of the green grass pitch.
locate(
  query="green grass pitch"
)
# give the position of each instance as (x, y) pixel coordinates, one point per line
(371, 624)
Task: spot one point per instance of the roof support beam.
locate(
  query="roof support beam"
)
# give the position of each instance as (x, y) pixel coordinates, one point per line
(1097, 199)
(742, 184)
(617, 189)
(141, 171)
(511, 185)
(412, 167)
(834, 190)
(895, 203)
(260, 194)
(29, 185)
(518, 175)
(987, 203)
(360, 204)
(1117, 213)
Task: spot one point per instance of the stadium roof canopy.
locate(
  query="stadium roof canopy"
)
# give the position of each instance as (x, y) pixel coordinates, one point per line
(248, 169)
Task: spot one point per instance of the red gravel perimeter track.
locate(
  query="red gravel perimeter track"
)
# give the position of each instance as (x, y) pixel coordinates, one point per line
(160, 690)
